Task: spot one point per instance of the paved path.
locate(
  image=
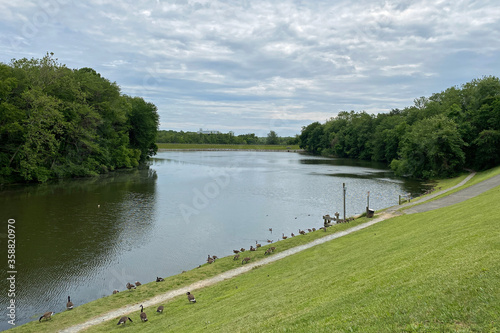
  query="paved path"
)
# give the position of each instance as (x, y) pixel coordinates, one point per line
(402, 208)
(390, 212)
(456, 197)
(157, 300)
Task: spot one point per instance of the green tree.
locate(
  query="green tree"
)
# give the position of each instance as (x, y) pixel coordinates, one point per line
(42, 139)
(58, 122)
(143, 122)
(272, 138)
(310, 138)
(432, 148)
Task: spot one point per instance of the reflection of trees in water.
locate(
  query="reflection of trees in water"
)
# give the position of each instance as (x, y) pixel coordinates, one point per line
(343, 162)
(67, 228)
(384, 173)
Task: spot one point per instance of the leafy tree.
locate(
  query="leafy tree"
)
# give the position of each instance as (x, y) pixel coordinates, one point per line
(143, 122)
(432, 148)
(272, 138)
(310, 138)
(58, 122)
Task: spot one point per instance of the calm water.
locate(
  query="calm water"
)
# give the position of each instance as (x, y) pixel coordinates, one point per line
(87, 237)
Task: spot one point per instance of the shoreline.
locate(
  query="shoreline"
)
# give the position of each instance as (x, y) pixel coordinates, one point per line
(383, 215)
(168, 295)
(232, 149)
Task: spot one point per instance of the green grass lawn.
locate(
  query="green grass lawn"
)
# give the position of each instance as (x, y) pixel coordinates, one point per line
(431, 272)
(225, 146)
(148, 290)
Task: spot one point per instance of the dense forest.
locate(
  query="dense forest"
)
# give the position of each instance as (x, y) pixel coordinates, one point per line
(439, 136)
(224, 138)
(58, 122)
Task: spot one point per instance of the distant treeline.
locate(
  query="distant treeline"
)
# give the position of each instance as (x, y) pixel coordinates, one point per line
(224, 138)
(61, 122)
(439, 136)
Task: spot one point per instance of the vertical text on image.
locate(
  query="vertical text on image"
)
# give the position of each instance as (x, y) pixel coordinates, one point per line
(11, 270)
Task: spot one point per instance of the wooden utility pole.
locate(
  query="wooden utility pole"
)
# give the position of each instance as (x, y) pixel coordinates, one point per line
(344, 188)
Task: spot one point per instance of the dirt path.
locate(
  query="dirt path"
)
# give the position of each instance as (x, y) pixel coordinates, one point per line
(390, 212)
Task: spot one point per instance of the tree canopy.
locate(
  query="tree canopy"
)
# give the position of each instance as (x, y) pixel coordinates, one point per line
(58, 122)
(436, 137)
(272, 138)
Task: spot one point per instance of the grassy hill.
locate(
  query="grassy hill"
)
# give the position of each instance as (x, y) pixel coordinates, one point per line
(430, 272)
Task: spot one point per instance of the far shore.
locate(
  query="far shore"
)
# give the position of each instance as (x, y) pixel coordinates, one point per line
(227, 147)
(232, 149)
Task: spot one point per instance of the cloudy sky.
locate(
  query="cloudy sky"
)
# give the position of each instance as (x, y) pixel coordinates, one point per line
(255, 66)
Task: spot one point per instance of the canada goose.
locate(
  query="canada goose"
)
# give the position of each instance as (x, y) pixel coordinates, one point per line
(314, 229)
(257, 245)
(116, 291)
(191, 297)
(272, 248)
(214, 257)
(283, 236)
(269, 240)
(130, 286)
(143, 315)
(236, 257)
(271, 230)
(123, 320)
(46, 316)
(268, 251)
(236, 251)
(160, 309)
(210, 260)
(245, 260)
(302, 232)
(137, 283)
(252, 248)
(309, 230)
(159, 279)
(293, 235)
(69, 305)
(242, 249)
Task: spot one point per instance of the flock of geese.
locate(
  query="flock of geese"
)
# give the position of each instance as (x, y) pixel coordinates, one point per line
(123, 320)
(142, 315)
(270, 250)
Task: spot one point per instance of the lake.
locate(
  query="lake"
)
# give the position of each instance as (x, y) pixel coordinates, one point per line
(87, 237)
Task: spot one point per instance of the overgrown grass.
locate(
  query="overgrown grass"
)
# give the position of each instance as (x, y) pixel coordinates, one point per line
(195, 146)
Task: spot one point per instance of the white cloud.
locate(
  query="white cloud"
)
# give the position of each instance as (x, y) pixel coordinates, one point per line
(292, 61)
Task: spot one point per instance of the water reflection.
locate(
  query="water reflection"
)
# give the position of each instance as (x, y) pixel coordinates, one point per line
(67, 231)
(86, 237)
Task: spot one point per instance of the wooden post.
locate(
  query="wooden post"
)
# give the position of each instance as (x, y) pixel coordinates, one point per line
(344, 188)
